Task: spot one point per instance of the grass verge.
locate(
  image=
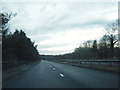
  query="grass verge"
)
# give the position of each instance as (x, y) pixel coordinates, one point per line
(108, 68)
(7, 74)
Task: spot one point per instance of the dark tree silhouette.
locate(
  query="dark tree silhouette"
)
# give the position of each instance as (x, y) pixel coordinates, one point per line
(16, 47)
(95, 44)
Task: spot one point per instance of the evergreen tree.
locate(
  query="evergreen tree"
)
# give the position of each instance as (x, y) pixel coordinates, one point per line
(16, 47)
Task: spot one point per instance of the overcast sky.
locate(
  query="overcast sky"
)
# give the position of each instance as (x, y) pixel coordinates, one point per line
(59, 27)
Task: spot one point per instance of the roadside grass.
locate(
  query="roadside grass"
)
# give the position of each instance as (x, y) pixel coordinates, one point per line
(12, 72)
(108, 68)
(8, 75)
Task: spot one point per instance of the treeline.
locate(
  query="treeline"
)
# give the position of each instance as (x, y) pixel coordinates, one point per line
(17, 48)
(108, 47)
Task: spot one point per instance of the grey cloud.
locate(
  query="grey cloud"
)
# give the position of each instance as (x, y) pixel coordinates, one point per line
(57, 27)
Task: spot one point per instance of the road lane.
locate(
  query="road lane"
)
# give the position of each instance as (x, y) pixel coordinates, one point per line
(62, 76)
(41, 76)
(91, 78)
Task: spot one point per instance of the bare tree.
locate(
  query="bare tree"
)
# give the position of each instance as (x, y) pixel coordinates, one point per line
(104, 42)
(4, 19)
(112, 34)
(88, 44)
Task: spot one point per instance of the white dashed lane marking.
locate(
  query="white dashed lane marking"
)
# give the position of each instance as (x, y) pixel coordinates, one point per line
(54, 69)
(61, 75)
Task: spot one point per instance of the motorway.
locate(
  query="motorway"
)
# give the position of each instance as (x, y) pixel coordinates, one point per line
(48, 74)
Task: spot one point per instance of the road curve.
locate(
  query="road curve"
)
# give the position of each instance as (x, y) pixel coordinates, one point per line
(48, 74)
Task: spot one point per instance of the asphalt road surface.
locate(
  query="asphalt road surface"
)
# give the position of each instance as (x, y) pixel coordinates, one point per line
(48, 74)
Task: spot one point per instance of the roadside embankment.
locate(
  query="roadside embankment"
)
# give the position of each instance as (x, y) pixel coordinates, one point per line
(104, 67)
(9, 73)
